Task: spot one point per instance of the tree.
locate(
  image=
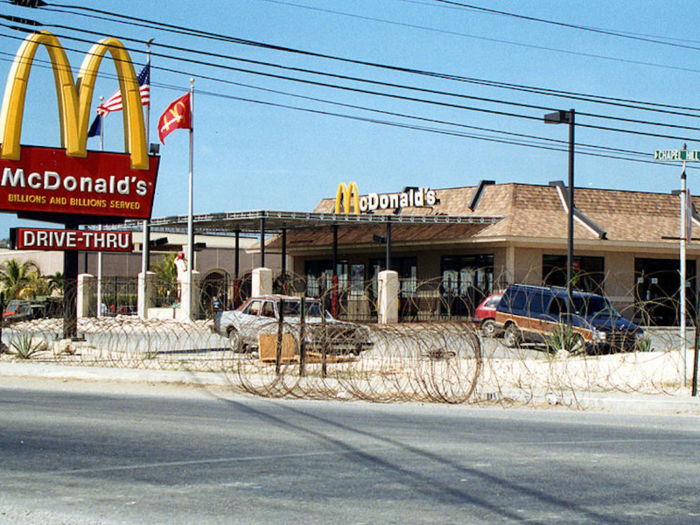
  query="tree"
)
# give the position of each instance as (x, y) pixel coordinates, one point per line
(166, 279)
(16, 276)
(55, 282)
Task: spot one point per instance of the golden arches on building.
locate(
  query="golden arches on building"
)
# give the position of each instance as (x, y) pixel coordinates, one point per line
(347, 198)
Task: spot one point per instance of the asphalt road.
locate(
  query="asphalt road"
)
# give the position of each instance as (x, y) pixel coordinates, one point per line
(109, 453)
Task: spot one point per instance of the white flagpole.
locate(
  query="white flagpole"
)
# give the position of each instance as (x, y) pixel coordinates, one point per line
(146, 235)
(99, 254)
(190, 221)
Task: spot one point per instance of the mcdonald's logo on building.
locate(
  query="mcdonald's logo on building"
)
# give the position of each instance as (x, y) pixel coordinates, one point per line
(53, 184)
(345, 197)
(348, 200)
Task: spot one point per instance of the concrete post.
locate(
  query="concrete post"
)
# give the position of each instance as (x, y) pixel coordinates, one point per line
(262, 282)
(189, 297)
(147, 293)
(87, 295)
(388, 297)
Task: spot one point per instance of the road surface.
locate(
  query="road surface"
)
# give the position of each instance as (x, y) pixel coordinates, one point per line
(80, 452)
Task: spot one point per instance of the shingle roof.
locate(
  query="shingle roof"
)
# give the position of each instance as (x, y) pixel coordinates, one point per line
(537, 212)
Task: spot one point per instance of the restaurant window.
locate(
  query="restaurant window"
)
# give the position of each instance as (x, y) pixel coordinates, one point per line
(588, 273)
(406, 267)
(319, 277)
(466, 281)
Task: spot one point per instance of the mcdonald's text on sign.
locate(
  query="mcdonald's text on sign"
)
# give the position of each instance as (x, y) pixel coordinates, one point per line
(677, 154)
(101, 184)
(83, 240)
(347, 199)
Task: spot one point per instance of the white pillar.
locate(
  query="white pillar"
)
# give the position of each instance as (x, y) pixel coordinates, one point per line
(147, 289)
(86, 295)
(388, 297)
(189, 297)
(262, 282)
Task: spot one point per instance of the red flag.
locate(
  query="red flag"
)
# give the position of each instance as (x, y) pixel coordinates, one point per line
(178, 115)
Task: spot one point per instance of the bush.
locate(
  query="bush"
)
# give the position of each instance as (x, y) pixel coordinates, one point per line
(563, 337)
(24, 346)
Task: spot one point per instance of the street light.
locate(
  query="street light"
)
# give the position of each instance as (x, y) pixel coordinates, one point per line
(567, 117)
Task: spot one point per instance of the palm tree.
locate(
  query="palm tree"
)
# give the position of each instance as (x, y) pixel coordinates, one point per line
(55, 282)
(15, 276)
(166, 279)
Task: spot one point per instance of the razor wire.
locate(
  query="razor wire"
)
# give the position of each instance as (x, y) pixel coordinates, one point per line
(447, 361)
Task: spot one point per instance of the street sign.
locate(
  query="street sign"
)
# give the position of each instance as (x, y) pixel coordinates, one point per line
(677, 154)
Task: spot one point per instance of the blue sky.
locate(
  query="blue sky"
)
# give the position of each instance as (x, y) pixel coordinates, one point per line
(254, 151)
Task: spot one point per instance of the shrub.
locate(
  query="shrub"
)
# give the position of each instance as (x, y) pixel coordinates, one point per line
(24, 346)
(563, 337)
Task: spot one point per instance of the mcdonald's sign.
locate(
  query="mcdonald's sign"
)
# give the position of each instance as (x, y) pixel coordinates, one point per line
(347, 199)
(55, 184)
(346, 196)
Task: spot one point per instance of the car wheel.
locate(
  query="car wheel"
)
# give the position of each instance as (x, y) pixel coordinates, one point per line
(234, 339)
(488, 328)
(512, 336)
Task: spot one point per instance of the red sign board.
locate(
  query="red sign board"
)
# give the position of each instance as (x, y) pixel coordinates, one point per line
(46, 180)
(82, 240)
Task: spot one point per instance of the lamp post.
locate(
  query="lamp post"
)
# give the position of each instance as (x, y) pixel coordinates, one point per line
(567, 117)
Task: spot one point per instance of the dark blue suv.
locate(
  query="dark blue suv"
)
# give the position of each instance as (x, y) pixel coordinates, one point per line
(533, 313)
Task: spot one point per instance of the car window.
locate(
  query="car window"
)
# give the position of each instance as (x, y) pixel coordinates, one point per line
(268, 309)
(292, 308)
(253, 308)
(492, 302)
(557, 307)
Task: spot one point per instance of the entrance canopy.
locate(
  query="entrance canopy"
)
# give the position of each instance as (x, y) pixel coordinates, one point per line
(275, 222)
(264, 223)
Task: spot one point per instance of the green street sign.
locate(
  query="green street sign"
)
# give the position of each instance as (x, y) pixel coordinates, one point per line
(677, 154)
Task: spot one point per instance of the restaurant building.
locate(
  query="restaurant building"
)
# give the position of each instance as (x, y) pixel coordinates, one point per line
(451, 247)
(626, 247)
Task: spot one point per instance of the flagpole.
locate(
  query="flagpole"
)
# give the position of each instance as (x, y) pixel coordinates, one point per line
(99, 254)
(190, 221)
(146, 236)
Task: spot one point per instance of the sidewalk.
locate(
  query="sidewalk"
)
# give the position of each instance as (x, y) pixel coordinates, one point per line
(631, 403)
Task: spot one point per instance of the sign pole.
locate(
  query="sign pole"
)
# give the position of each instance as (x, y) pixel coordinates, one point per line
(684, 241)
(685, 156)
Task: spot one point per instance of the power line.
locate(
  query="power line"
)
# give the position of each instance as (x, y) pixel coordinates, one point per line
(209, 35)
(511, 139)
(607, 32)
(424, 90)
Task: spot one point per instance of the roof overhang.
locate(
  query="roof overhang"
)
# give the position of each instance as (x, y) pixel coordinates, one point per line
(273, 222)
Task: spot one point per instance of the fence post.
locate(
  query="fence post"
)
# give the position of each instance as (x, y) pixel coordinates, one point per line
(388, 307)
(280, 334)
(86, 297)
(324, 343)
(302, 337)
(2, 320)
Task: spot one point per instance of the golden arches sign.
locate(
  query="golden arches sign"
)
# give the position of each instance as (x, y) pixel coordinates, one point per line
(74, 98)
(347, 196)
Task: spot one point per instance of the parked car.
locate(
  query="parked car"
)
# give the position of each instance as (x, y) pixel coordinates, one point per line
(534, 313)
(20, 310)
(261, 315)
(485, 314)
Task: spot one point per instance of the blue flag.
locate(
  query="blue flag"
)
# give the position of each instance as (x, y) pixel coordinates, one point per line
(95, 127)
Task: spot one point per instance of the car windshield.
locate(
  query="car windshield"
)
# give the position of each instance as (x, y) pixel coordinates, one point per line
(594, 306)
(293, 308)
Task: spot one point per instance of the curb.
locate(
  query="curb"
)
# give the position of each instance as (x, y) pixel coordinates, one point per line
(91, 373)
(619, 402)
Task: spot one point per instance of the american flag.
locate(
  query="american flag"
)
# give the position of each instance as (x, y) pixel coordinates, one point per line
(114, 103)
